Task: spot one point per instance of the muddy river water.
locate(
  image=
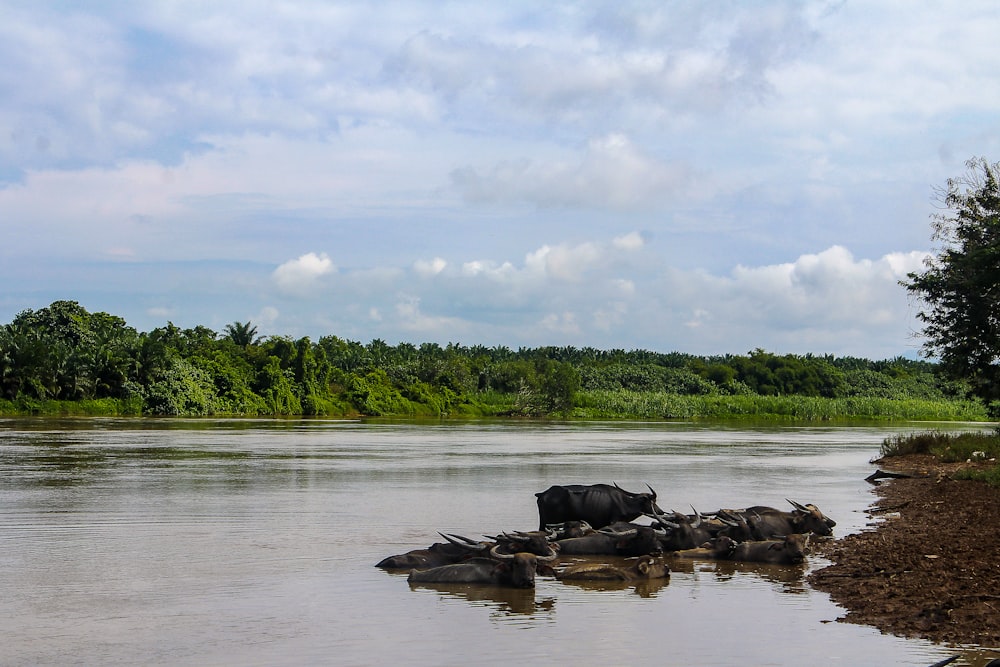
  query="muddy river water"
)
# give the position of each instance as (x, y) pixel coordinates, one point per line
(245, 542)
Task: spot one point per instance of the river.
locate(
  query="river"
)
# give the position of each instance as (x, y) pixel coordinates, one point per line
(253, 542)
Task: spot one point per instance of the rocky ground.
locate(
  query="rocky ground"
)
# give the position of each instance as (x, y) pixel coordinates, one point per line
(930, 564)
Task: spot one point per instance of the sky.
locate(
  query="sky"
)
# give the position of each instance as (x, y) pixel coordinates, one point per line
(699, 177)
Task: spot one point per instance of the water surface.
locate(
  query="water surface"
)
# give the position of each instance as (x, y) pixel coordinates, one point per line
(244, 542)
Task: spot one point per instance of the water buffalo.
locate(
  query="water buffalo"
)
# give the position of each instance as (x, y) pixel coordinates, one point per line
(597, 504)
(735, 525)
(684, 532)
(508, 570)
(532, 541)
(567, 529)
(717, 548)
(646, 567)
(767, 522)
(790, 550)
(455, 550)
(618, 539)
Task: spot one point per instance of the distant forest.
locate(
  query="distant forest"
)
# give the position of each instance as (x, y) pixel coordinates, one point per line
(63, 359)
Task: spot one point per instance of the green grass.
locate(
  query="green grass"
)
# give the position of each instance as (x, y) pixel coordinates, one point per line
(951, 448)
(101, 407)
(614, 404)
(659, 405)
(948, 447)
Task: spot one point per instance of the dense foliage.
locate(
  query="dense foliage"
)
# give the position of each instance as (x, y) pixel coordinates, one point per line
(960, 287)
(62, 356)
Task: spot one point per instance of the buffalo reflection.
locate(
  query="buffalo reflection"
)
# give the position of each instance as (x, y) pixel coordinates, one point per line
(645, 589)
(499, 599)
(789, 578)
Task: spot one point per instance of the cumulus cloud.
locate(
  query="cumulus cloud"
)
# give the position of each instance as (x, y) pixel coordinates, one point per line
(303, 272)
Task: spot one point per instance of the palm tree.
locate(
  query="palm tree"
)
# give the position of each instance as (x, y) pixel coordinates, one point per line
(243, 334)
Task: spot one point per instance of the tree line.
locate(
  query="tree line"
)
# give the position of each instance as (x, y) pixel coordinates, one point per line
(65, 353)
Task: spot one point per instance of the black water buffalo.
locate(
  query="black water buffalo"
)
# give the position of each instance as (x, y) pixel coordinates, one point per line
(567, 529)
(768, 522)
(790, 550)
(455, 550)
(618, 539)
(597, 504)
(717, 548)
(735, 525)
(685, 532)
(507, 570)
(646, 567)
(532, 541)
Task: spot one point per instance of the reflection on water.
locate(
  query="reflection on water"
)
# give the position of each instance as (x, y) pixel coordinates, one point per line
(788, 579)
(644, 589)
(499, 600)
(252, 542)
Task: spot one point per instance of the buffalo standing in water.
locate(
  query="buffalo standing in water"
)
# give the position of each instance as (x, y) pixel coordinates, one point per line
(597, 504)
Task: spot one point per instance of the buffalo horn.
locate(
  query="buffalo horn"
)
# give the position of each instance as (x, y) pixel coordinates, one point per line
(495, 552)
(798, 506)
(548, 559)
(624, 533)
(727, 518)
(464, 542)
(660, 518)
(499, 556)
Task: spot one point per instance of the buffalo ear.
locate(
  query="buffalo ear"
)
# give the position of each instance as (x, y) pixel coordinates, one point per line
(644, 566)
(776, 545)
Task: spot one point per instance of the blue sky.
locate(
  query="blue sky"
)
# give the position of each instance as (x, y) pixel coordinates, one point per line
(675, 176)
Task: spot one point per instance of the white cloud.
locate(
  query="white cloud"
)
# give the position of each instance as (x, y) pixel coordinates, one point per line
(303, 272)
(630, 241)
(494, 164)
(430, 267)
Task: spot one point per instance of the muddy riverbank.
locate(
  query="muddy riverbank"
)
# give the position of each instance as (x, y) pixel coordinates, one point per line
(929, 566)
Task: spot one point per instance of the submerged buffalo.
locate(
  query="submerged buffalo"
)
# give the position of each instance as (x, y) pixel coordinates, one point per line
(789, 550)
(597, 504)
(618, 539)
(685, 532)
(640, 569)
(768, 522)
(507, 570)
(455, 550)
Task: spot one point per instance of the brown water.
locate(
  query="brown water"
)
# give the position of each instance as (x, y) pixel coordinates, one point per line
(128, 542)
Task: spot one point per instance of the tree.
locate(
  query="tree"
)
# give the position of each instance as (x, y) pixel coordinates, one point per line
(960, 286)
(243, 334)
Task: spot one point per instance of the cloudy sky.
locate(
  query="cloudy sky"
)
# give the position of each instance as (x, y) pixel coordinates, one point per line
(703, 177)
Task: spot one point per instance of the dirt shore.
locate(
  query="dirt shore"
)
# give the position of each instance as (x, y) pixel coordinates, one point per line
(929, 566)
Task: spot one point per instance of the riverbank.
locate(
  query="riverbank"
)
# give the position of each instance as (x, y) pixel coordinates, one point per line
(929, 566)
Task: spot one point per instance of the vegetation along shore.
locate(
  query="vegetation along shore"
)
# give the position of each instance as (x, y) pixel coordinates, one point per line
(62, 359)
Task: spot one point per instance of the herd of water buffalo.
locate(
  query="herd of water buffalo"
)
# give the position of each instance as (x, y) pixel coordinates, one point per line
(598, 520)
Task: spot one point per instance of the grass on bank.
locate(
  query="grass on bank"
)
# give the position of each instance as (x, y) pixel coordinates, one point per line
(613, 404)
(661, 405)
(951, 448)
